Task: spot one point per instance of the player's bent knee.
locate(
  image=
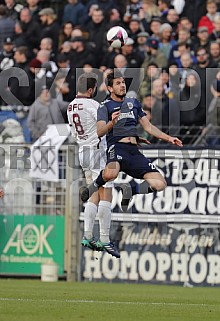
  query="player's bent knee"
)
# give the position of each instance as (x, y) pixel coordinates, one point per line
(110, 176)
(159, 185)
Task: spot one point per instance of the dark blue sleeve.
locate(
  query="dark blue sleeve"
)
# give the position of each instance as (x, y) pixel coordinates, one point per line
(141, 113)
(102, 113)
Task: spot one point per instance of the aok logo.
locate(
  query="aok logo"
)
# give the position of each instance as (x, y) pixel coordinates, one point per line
(30, 239)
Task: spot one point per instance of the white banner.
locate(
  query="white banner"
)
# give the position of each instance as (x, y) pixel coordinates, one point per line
(44, 152)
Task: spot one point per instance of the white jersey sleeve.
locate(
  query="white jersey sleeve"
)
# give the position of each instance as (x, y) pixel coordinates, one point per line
(82, 116)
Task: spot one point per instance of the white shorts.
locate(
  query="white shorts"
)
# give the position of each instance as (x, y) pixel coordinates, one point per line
(92, 161)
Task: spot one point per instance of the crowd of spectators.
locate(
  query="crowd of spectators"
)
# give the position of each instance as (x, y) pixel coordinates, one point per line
(173, 50)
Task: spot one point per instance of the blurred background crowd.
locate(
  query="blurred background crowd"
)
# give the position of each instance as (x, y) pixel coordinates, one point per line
(176, 43)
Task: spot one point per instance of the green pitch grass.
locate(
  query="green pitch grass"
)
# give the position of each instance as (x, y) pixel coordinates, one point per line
(24, 300)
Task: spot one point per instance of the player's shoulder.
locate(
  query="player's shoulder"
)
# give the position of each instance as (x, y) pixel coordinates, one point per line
(94, 102)
(105, 102)
(132, 100)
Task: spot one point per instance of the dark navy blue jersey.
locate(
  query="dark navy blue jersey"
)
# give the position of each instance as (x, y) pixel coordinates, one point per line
(131, 111)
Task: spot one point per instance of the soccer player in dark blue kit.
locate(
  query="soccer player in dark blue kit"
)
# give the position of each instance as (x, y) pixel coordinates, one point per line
(117, 119)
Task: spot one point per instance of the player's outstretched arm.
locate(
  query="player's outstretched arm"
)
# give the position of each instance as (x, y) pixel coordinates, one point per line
(156, 132)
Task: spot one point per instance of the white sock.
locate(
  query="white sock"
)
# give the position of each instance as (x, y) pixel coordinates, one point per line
(104, 212)
(89, 219)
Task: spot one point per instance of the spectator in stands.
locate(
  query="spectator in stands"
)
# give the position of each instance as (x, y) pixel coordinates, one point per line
(47, 44)
(202, 39)
(31, 29)
(131, 75)
(64, 63)
(148, 103)
(154, 54)
(107, 61)
(34, 68)
(65, 33)
(6, 26)
(134, 28)
(165, 77)
(13, 9)
(44, 56)
(214, 51)
(141, 43)
(174, 76)
(172, 19)
(165, 111)
(61, 86)
(133, 8)
(215, 86)
(205, 78)
(213, 115)
(166, 42)
(133, 56)
(208, 19)
(181, 49)
(215, 35)
(74, 12)
(19, 38)
(186, 64)
(191, 108)
(96, 29)
(183, 35)
(186, 24)
(186, 60)
(81, 54)
(147, 11)
(155, 25)
(50, 26)
(114, 18)
(20, 86)
(21, 58)
(194, 10)
(7, 54)
(77, 32)
(66, 48)
(152, 72)
(104, 5)
(34, 9)
(164, 6)
(45, 111)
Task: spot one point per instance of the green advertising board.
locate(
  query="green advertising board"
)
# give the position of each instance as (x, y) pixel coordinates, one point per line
(27, 242)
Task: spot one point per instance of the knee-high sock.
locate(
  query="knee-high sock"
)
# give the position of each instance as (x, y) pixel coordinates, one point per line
(104, 212)
(96, 184)
(89, 219)
(99, 180)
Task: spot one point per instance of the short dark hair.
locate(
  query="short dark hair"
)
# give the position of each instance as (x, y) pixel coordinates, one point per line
(201, 48)
(86, 81)
(23, 50)
(111, 76)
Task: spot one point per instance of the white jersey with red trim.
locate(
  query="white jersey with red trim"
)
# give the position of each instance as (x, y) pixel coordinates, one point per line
(82, 116)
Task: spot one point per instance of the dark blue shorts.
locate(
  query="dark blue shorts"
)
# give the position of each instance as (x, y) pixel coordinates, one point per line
(131, 160)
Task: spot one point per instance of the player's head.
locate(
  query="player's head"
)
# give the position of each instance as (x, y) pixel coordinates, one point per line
(87, 84)
(116, 84)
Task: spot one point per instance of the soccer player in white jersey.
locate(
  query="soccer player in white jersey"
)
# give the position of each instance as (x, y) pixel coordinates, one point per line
(82, 116)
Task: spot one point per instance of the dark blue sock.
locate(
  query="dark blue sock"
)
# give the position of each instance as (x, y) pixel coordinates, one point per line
(99, 180)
